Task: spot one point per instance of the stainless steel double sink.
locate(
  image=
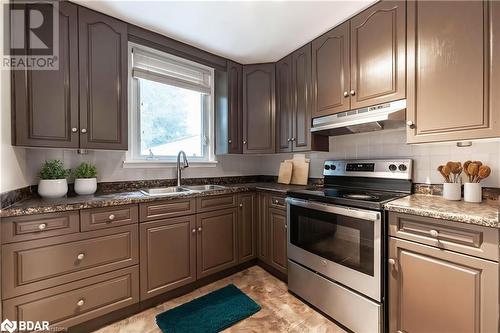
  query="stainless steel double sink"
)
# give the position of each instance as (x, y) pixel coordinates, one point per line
(176, 190)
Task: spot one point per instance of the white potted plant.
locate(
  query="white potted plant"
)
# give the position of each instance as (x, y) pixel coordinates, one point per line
(53, 183)
(85, 179)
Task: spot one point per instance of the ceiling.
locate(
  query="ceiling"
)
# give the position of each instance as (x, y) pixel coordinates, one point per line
(244, 31)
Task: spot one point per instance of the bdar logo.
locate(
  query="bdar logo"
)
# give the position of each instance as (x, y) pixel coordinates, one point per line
(8, 326)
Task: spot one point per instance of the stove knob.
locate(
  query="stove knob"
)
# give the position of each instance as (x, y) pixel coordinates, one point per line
(402, 167)
(327, 167)
(333, 167)
(393, 167)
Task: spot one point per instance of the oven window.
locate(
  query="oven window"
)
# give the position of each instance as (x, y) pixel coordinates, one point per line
(345, 240)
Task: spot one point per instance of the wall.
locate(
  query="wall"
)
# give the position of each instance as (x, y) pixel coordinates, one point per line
(391, 143)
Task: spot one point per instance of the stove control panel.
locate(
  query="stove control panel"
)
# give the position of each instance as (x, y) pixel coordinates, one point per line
(397, 169)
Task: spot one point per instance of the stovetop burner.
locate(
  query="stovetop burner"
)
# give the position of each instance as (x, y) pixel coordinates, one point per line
(360, 196)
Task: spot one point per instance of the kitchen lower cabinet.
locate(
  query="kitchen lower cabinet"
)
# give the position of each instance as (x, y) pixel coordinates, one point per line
(168, 254)
(217, 241)
(277, 221)
(262, 229)
(453, 70)
(247, 227)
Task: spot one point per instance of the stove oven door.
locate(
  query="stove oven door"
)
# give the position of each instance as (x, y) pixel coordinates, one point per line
(341, 243)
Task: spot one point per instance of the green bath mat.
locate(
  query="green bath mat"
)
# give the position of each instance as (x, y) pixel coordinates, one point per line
(211, 313)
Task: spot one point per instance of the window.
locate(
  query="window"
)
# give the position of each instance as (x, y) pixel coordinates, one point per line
(171, 107)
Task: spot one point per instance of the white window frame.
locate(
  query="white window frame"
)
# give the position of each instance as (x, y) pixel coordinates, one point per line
(133, 158)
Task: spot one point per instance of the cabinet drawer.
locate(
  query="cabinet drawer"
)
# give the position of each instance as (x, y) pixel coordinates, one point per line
(35, 265)
(277, 201)
(205, 204)
(460, 237)
(100, 218)
(162, 209)
(15, 229)
(73, 303)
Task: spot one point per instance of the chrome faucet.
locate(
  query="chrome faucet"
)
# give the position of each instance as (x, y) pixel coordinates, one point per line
(185, 164)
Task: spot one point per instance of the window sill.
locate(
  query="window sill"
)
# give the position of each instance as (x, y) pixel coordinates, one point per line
(135, 164)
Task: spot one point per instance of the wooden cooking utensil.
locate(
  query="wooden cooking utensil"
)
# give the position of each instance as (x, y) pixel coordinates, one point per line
(440, 169)
(473, 169)
(466, 171)
(479, 163)
(446, 172)
(456, 170)
(483, 172)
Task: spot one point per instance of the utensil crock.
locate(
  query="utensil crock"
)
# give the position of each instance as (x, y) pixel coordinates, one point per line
(452, 191)
(473, 192)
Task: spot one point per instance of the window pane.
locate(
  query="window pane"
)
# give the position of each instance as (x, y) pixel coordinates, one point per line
(171, 119)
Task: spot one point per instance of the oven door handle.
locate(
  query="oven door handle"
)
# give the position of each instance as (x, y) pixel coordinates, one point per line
(334, 209)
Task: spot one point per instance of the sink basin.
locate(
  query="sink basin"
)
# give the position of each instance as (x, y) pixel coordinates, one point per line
(205, 187)
(162, 191)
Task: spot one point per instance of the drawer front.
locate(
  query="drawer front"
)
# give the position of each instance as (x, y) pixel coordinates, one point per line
(469, 239)
(77, 302)
(16, 229)
(162, 209)
(206, 204)
(35, 265)
(100, 218)
(277, 201)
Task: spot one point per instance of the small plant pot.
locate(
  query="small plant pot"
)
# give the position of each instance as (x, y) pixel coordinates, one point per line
(452, 191)
(473, 192)
(85, 186)
(52, 188)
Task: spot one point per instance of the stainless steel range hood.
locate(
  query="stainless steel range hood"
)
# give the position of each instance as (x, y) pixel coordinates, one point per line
(372, 118)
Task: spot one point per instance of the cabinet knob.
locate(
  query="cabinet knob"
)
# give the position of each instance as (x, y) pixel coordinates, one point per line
(194, 230)
(74, 130)
(229, 141)
(434, 233)
(391, 261)
(244, 142)
(276, 202)
(241, 205)
(80, 256)
(323, 262)
(199, 229)
(353, 93)
(346, 94)
(289, 139)
(80, 302)
(84, 130)
(410, 124)
(286, 226)
(111, 217)
(293, 139)
(42, 226)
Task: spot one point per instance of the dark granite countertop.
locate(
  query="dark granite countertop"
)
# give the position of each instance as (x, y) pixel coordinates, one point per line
(435, 206)
(38, 205)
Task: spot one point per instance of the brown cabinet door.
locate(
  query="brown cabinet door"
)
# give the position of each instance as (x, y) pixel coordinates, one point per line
(453, 71)
(235, 107)
(262, 228)
(284, 104)
(217, 241)
(434, 290)
(277, 239)
(302, 106)
(258, 108)
(378, 54)
(247, 227)
(331, 72)
(168, 255)
(103, 81)
(45, 102)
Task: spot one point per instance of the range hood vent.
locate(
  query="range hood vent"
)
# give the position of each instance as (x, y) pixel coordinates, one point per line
(374, 118)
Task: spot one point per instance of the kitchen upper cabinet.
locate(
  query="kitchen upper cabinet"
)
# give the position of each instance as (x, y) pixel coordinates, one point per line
(45, 102)
(331, 72)
(103, 81)
(278, 239)
(247, 227)
(217, 241)
(258, 108)
(235, 107)
(453, 70)
(378, 53)
(284, 104)
(435, 290)
(168, 254)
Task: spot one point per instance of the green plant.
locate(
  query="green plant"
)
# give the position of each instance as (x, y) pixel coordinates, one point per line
(85, 170)
(54, 169)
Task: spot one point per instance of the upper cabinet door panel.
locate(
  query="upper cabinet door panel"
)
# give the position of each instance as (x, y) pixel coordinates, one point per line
(103, 81)
(331, 71)
(235, 96)
(284, 104)
(378, 54)
(301, 119)
(46, 101)
(452, 51)
(258, 108)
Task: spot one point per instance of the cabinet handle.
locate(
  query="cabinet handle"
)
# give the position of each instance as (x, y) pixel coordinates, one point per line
(244, 142)
(293, 139)
(81, 302)
(391, 261)
(410, 124)
(194, 230)
(229, 141)
(74, 130)
(276, 202)
(286, 226)
(80, 256)
(289, 139)
(199, 229)
(241, 205)
(434, 233)
(84, 130)
(346, 94)
(42, 226)
(353, 93)
(111, 217)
